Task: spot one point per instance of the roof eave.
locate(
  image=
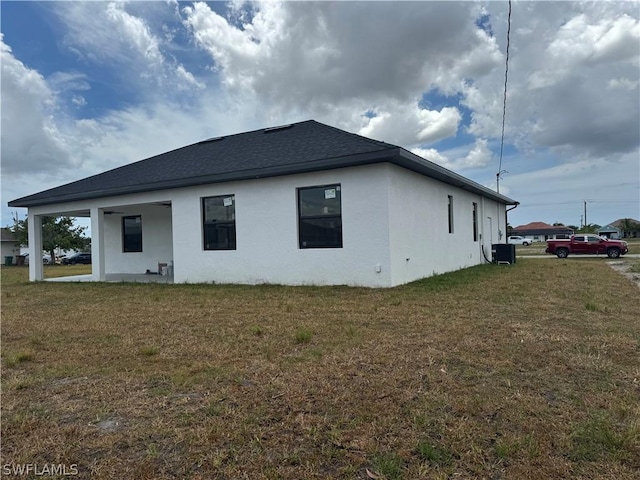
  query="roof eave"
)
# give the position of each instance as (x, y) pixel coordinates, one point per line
(395, 155)
(418, 164)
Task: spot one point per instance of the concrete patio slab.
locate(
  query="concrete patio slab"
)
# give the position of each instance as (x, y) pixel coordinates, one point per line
(117, 278)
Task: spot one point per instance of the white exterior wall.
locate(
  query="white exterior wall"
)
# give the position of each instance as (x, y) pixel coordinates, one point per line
(389, 214)
(267, 232)
(157, 240)
(9, 249)
(421, 244)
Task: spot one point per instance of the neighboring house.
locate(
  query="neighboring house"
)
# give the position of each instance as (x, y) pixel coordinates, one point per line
(623, 227)
(540, 231)
(10, 246)
(299, 204)
(610, 231)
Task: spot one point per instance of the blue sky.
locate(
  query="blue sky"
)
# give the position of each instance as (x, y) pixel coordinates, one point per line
(90, 86)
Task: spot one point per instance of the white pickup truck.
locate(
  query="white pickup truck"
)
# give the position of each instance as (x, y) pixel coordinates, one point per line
(516, 240)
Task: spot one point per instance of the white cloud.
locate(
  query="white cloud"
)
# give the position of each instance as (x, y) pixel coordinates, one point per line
(585, 41)
(479, 155)
(309, 55)
(483, 59)
(61, 82)
(623, 82)
(30, 137)
(135, 32)
(232, 49)
(402, 126)
(186, 80)
(78, 100)
(106, 33)
(564, 73)
(602, 40)
(432, 155)
(103, 31)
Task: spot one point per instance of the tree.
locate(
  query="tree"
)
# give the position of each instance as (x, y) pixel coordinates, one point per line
(57, 232)
(627, 225)
(589, 228)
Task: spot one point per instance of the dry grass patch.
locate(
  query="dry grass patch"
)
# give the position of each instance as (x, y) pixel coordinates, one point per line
(20, 274)
(490, 372)
(634, 245)
(536, 248)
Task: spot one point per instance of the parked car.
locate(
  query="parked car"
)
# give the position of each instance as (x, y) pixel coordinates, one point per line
(586, 244)
(84, 258)
(516, 240)
(46, 259)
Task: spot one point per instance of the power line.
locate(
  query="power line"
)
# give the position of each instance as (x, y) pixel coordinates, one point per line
(504, 100)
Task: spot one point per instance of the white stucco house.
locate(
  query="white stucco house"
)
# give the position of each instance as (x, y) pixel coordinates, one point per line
(298, 204)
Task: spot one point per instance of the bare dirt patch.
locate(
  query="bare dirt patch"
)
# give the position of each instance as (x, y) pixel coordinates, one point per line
(626, 268)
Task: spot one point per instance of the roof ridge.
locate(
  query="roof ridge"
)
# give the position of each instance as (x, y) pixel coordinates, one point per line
(262, 129)
(373, 140)
(620, 220)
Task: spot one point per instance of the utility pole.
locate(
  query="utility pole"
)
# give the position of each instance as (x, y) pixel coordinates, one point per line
(585, 213)
(498, 175)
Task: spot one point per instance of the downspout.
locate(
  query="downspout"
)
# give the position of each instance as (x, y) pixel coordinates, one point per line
(482, 223)
(506, 233)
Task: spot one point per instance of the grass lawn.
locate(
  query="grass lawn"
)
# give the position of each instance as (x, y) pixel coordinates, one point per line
(512, 372)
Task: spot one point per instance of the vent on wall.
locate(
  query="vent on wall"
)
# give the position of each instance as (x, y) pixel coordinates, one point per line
(274, 129)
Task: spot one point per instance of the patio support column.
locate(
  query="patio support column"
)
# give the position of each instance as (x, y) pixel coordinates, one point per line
(97, 245)
(34, 223)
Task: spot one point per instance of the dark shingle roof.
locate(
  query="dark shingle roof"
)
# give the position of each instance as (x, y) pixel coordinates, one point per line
(296, 148)
(541, 228)
(620, 222)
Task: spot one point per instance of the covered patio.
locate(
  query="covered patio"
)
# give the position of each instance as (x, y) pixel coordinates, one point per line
(111, 260)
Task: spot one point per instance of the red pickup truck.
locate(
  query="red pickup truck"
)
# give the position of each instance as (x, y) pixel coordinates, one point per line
(587, 244)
